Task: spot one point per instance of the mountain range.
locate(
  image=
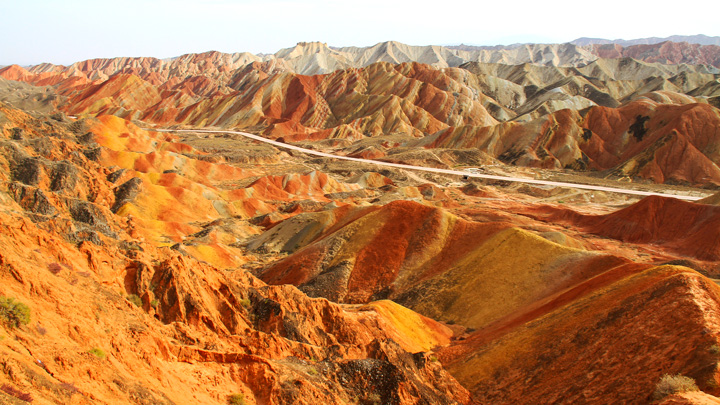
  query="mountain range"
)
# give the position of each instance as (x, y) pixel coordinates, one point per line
(585, 41)
(147, 260)
(691, 39)
(317, 58)
(556, 117)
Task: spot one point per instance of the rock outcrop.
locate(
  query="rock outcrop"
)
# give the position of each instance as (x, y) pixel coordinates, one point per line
(634, 118)
(118, 317)
(155, 267)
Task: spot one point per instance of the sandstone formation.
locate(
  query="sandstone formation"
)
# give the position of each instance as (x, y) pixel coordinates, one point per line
(89, 211)
(644, 139)
(692, 39)
(313, 58)
(626, 117)
(596, 328)
(146, 266)
(683, 227)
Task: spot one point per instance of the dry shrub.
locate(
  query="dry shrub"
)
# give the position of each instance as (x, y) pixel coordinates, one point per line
(10, 390)
(54, 268)
(135, 300)
(236, 399)
(674, 384)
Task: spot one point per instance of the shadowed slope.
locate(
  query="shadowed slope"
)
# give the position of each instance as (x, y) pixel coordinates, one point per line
(429, 260)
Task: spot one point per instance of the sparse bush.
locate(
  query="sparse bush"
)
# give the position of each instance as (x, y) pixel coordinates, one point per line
(714, 349)
(14, 313)
(245, 302)
(10, 390)
(154, 303)
(236, 399)
(40, 329)
(135, 300)
(374, 398)
(133, 246)
(54, 268)
(673, 384)
(69, 387)
(97, 352)
(17, 134)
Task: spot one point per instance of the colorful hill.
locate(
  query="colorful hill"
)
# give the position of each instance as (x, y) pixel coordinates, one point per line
(536, 312)
(88, 209)
(426, 259)
(661, 318)
(665, 143)
(167, 267)
(682, 227)
(627, 117)
(534, 105)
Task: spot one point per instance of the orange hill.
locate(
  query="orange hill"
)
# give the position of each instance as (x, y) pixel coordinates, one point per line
(683, 227)
(427, 259)
(117, 317)
(641, 325)
(661, 142)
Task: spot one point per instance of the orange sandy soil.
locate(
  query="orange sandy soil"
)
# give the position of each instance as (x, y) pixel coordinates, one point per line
(198, 333)
(520, 301)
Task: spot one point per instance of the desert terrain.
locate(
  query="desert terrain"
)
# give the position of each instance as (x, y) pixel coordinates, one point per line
(426, 225)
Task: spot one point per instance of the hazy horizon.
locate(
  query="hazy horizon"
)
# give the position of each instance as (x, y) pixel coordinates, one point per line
(48, 31)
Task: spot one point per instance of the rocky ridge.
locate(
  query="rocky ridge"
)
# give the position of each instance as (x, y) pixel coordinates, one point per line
(528, 115)
(225, 267)
(167, 327)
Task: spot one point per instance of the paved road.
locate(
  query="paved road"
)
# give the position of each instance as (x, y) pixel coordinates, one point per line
(442, 171)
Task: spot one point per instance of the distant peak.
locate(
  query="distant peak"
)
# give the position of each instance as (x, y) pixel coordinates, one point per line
(304, 48)
(312, 44)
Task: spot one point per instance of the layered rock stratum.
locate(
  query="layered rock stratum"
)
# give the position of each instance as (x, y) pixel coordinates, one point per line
(625, 117)
(194, 267)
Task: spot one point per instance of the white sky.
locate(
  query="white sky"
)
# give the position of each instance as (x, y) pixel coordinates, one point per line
(66, 31)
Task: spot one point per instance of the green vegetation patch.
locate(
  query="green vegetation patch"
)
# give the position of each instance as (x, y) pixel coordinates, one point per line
(236, 399)
(97, 352)
(14, 313)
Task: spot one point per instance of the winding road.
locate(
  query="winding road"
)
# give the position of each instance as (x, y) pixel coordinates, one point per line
(436, 170)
